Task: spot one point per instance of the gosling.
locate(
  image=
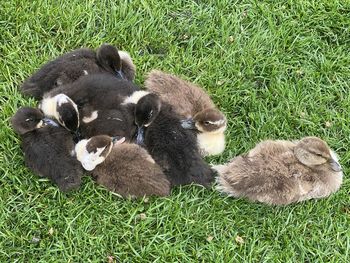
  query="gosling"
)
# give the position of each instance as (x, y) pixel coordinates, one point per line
(282, 172)
(195, 106)
(69, 67)
(172, 147)
(48, 148)
(126, 169)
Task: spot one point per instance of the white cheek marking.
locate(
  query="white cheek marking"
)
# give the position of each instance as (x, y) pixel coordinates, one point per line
(135, 97)
(39, 125)
(85, 72)
(87, 165)
(80, 149)
(89, 160)
(125, 56)
(220, 122)
(49, 107)
(61, 98)
(92, 117)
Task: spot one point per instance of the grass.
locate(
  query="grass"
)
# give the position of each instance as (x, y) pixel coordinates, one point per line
(278, 69)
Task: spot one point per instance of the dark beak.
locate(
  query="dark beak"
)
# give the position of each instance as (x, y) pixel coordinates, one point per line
(48, 121)
(77, 136)
(188, 124)
(140, 135)
(120, 74)
(336, 166)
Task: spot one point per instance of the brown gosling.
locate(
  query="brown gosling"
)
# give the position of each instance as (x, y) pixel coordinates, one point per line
(195, 106)
(126, 169)
(282, 172)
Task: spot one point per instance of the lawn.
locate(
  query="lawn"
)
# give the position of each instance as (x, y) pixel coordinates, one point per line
(277, 69)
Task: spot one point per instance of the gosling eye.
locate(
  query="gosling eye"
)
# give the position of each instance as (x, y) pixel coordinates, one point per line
(206, 123)
(29, 119)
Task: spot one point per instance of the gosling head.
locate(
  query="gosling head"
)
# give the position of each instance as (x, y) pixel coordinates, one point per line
(146, 110)
(63, 109)
(208, 120)
(108, 57)
(91, 152)
(27, 119)
(315, 153)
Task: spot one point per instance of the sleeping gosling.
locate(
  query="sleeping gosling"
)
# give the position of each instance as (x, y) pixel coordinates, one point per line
(282, 172)
(63, 109)
(126, 169)
(97, 98)
(48, 148)
(69, 67)
(195, 106)
(173, 148)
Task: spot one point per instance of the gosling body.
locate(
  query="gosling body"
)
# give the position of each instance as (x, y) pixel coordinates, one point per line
(171, 146)
(282, 172)
(69, 67)
(48, 148)
(126, 169)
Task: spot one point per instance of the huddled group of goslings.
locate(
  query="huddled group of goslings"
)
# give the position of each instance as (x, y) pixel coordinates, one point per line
(92, 117)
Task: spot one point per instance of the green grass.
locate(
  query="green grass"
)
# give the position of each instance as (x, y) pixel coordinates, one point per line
(278, 69)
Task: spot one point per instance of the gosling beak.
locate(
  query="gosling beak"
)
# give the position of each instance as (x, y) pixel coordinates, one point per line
(77, 136)
(140, 135)
(335, 166)
(120, 74)
(118, 140)
(48, 121)
(188, 124)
